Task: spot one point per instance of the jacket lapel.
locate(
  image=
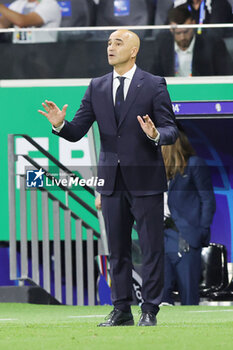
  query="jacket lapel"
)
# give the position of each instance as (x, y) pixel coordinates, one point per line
(108, 101)
(134, 89)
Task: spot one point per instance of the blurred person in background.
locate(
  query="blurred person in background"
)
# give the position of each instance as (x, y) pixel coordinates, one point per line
(203, 11)
(210, 11)
(81, 13)
(183, 52)
(188, 215)
(31, 13)
(124, 13)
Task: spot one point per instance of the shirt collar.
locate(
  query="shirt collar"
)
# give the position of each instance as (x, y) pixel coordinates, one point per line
(128, 75)
(189, 49)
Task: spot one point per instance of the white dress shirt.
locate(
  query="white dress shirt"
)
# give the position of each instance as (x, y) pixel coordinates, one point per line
(167, 212)
(128, 78)
(185, 59)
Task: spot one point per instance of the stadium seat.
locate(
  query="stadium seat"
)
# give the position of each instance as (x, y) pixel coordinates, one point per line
(214, 269)
(223, 295)
(214, 278)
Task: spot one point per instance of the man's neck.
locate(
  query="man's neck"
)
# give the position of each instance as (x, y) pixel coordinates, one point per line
(196, 4)
(122, 69)
(186, 48)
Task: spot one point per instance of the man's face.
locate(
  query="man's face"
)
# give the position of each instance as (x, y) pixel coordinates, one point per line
(120, 48)
(183, 36)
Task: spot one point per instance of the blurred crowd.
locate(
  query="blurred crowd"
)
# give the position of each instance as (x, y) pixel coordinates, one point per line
(177, 52)
(77, 13)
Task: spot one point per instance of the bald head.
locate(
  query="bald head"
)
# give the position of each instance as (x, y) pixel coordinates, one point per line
(131, 37)
(123, 46)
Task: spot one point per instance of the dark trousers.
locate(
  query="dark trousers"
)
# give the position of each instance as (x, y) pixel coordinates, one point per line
(185, 273)
(119, 211)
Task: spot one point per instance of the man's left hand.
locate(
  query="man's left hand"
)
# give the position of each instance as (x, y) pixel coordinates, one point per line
(147, 126)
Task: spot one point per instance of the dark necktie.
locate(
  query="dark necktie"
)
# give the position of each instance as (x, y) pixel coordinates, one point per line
(119, 99)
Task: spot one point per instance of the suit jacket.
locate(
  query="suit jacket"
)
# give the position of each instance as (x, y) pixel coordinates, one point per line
(127, 145)
(191, 202)
(210, 56)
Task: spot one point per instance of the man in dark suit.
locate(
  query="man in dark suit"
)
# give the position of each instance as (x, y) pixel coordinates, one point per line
(134, 114)
(182, 52)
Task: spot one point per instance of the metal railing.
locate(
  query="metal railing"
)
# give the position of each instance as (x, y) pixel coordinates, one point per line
(40, 261)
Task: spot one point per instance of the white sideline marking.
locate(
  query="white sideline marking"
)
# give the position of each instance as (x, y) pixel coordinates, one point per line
(8, 319)
(86, 316)
(230, 310)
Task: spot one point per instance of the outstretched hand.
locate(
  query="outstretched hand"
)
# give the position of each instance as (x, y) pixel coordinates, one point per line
(54, 115)
(147, 126)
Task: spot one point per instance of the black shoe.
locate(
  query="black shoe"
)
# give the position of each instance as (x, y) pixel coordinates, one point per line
(118, 318)
(147, 319)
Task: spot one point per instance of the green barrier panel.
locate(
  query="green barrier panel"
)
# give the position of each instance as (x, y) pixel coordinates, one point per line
(19, 116)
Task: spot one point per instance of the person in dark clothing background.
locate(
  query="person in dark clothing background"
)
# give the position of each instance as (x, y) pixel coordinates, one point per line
(213, 11)
(183, 52)
(124, 13)
(190, 210)
(118, 13)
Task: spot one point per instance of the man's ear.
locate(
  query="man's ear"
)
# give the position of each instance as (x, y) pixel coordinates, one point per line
(134, 52)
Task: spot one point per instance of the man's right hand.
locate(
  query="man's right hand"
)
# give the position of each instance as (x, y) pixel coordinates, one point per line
(54, 115)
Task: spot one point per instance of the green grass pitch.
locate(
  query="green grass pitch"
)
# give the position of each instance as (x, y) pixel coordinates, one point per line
(42, 327)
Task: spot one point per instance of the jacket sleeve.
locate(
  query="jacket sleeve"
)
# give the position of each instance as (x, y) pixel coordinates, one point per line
(82, 121)
(164, 115)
